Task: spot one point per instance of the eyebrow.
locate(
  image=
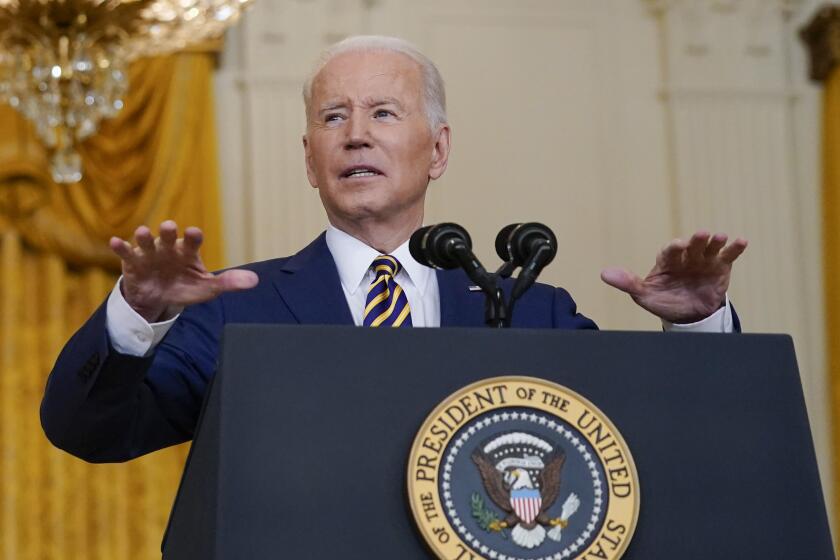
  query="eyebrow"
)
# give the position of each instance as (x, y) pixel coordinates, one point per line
(332, 106)
(369, 102)
(377, 101)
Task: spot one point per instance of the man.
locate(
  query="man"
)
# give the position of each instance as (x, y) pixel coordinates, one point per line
(133, 378)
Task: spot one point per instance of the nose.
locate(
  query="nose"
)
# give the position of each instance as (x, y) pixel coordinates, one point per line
(358, 133)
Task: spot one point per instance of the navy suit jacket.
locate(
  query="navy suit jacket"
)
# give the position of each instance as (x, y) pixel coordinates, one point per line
(104, 406)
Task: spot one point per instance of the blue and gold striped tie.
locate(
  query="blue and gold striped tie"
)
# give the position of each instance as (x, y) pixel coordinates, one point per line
(386, 304)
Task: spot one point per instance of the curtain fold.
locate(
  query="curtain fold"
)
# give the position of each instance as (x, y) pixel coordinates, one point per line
(156, 160)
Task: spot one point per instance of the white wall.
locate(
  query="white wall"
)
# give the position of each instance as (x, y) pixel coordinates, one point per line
(744, 130)
(619, 123)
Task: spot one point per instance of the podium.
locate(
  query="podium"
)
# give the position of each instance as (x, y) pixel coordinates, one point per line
(303, 443)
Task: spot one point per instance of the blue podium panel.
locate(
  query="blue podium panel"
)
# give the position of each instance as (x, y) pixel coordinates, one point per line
(304, 440)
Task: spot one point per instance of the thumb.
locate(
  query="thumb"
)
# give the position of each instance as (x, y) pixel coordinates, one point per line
(622, 279)
(236, 279)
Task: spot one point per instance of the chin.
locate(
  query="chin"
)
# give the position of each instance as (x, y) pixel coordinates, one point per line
(367, 204)
(364, 213)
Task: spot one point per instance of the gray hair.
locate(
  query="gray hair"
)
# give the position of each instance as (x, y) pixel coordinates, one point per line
(434, 94)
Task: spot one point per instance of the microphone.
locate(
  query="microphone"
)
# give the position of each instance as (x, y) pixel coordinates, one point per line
(446, 246)
(437, 245)
(530, 245)
(520, 243)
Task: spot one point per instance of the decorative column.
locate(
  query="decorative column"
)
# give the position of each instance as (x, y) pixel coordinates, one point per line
(822, 37)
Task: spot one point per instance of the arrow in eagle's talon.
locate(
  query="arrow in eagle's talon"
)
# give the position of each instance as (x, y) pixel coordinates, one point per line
(497, 525)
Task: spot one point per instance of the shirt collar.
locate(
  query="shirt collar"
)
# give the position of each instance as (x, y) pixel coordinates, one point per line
(353, 257)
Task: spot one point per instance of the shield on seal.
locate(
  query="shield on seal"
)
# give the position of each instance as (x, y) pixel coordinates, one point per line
(526, 503)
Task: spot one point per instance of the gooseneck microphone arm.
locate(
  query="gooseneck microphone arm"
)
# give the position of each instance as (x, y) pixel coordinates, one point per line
(496, 313)
(471, 265)
(540, 257)
(447, 246)
(529, 247)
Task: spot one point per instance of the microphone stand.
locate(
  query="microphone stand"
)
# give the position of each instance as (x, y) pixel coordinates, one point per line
(528, 275)
(496, 314)
(448, 246)
(496, 311)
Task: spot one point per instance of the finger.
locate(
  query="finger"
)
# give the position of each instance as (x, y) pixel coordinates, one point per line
(168, 234)
(733, 250)
(623, 280)
(697, 245)
(672, 255)
(236, 279)
(716, 243)
(145, 240)
(193, 238)
(122, 249)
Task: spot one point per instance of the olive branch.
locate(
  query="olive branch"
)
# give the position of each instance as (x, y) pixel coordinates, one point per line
(485, 516)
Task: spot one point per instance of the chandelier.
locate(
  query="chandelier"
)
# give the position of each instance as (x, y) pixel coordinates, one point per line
(63, 63)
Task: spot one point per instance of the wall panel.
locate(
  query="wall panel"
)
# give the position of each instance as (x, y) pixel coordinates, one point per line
(745, 161)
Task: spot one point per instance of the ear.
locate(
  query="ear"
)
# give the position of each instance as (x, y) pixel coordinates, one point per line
(310, 171)
(440, 151)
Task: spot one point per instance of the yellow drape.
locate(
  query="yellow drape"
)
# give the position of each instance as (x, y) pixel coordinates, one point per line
(156, 160)
(831, 237)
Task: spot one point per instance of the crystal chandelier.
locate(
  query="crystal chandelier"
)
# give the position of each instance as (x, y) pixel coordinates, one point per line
(63, 63)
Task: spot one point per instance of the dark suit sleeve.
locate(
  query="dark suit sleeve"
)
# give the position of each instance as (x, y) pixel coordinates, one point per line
(565, 313)
(103, 406)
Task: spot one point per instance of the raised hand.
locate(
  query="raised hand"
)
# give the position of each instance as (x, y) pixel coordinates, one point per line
(164, 274)
(689, 280)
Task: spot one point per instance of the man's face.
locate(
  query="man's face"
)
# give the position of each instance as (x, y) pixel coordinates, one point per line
(369, 149)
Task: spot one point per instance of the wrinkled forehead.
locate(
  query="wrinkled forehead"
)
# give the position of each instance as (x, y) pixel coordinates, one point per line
(361, 75)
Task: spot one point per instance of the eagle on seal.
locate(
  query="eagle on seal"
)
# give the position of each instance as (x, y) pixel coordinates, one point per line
(521, 473)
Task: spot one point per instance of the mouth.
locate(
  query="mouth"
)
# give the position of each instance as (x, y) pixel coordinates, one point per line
(360, 171)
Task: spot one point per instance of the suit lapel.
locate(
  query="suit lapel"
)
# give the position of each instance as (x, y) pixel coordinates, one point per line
(309, 284)
(459, 307)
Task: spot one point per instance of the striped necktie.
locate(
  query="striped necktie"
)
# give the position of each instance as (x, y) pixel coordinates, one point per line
(386, 304)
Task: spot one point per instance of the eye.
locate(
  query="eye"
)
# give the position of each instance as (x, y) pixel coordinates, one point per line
(382, 113)
(333, 117)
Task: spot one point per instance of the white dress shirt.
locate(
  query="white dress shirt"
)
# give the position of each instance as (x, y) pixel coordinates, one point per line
(131, 334)
(353, 259)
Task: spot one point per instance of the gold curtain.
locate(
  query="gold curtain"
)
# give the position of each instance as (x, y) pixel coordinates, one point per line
(822, 37)
(156, 160)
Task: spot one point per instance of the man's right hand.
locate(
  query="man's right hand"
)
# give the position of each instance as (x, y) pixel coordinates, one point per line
(162, 275)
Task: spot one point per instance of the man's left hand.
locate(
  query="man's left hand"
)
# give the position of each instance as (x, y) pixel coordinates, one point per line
(688, 282)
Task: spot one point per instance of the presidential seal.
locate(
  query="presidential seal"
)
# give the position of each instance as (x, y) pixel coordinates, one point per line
(519, 468)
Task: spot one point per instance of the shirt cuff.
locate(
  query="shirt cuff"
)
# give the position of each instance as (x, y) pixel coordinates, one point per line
(129, 332)
(718, 322)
